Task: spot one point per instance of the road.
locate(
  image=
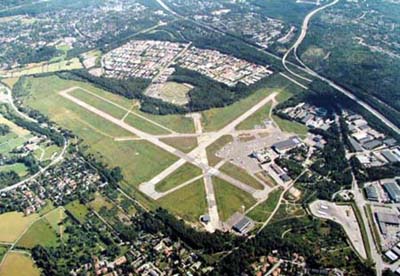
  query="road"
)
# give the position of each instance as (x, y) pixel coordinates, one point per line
(302, 68)
(149, 187)
(331, 83)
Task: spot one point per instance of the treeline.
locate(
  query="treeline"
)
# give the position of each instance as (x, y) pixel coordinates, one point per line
(306, 237)
(162, 221)
(363, 174)
(4, 129)
(8, 179)
(132, 89)
(51, 133)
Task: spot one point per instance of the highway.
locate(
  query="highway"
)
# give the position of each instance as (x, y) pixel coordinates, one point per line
(304, 68)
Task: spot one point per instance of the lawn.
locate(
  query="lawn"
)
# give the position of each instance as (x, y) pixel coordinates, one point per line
(215, 147)
(98, 202)
(230, 199)
(145, 125)
(77, 210)
(291, 126)
(241, 175)
(180, 176)
(55, 219)
(189, 203)
(99, 103)
(18, 264)
(40, 233)
(264, 210)
(136, 158)
(18, 168)
(217, 118)
(13, 224)
(185, 144)
(175, 93)
(3, 251)
(257, 119)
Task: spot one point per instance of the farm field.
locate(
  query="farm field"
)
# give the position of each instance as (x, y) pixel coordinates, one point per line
(230, 199)
(13, 224)
(189, 203)
(180, 176)
(54, 219)
(40, 233)
(241, 175)
(99, 202)
(18, 264)
(39, 68)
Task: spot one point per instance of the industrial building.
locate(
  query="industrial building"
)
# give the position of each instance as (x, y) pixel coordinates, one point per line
(286, 145)
(392, 189)
(371, 193)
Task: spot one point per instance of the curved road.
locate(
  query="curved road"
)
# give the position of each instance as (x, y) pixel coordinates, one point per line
(332, 84)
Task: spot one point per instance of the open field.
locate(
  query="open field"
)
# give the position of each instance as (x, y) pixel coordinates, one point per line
(188, 203)
(40, 233)
(175, 93)
(77, 210)
(39, 68)
(136, 158)
(13, 127)
(257, 119)
(180, 176)
(262, 212)
(216, 118)
(185, 144)
(230, 199)
(241, 175)
(291, 126)
(144, 125)
(3, 251)
(100, 202)
(10, 82)
(113, 110)
(215, 147)
(13, 224)
(18, 168)
(55, 218)
(18, 264)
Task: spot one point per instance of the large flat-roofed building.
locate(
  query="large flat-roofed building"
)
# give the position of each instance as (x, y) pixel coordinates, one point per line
(372, 193)
(393, 190)
(385, 219)
(286, 145)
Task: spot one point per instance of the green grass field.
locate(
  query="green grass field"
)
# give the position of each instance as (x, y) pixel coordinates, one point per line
(230, 199)
(215, 147)
(3, 251)
(144, 125)
(98, 103)
(215, 119)
(189, 203)
(77, 210)
(136, 158)
(291, 126)
(17, 264)
(185, 144)
(180, 176)
(175, 93)
(241, 175)
(38, 68)
(257, 119)
(18, 168)
(55, 218)
(13, 224)
(40, 233)
(99, 202)
(264, 210)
